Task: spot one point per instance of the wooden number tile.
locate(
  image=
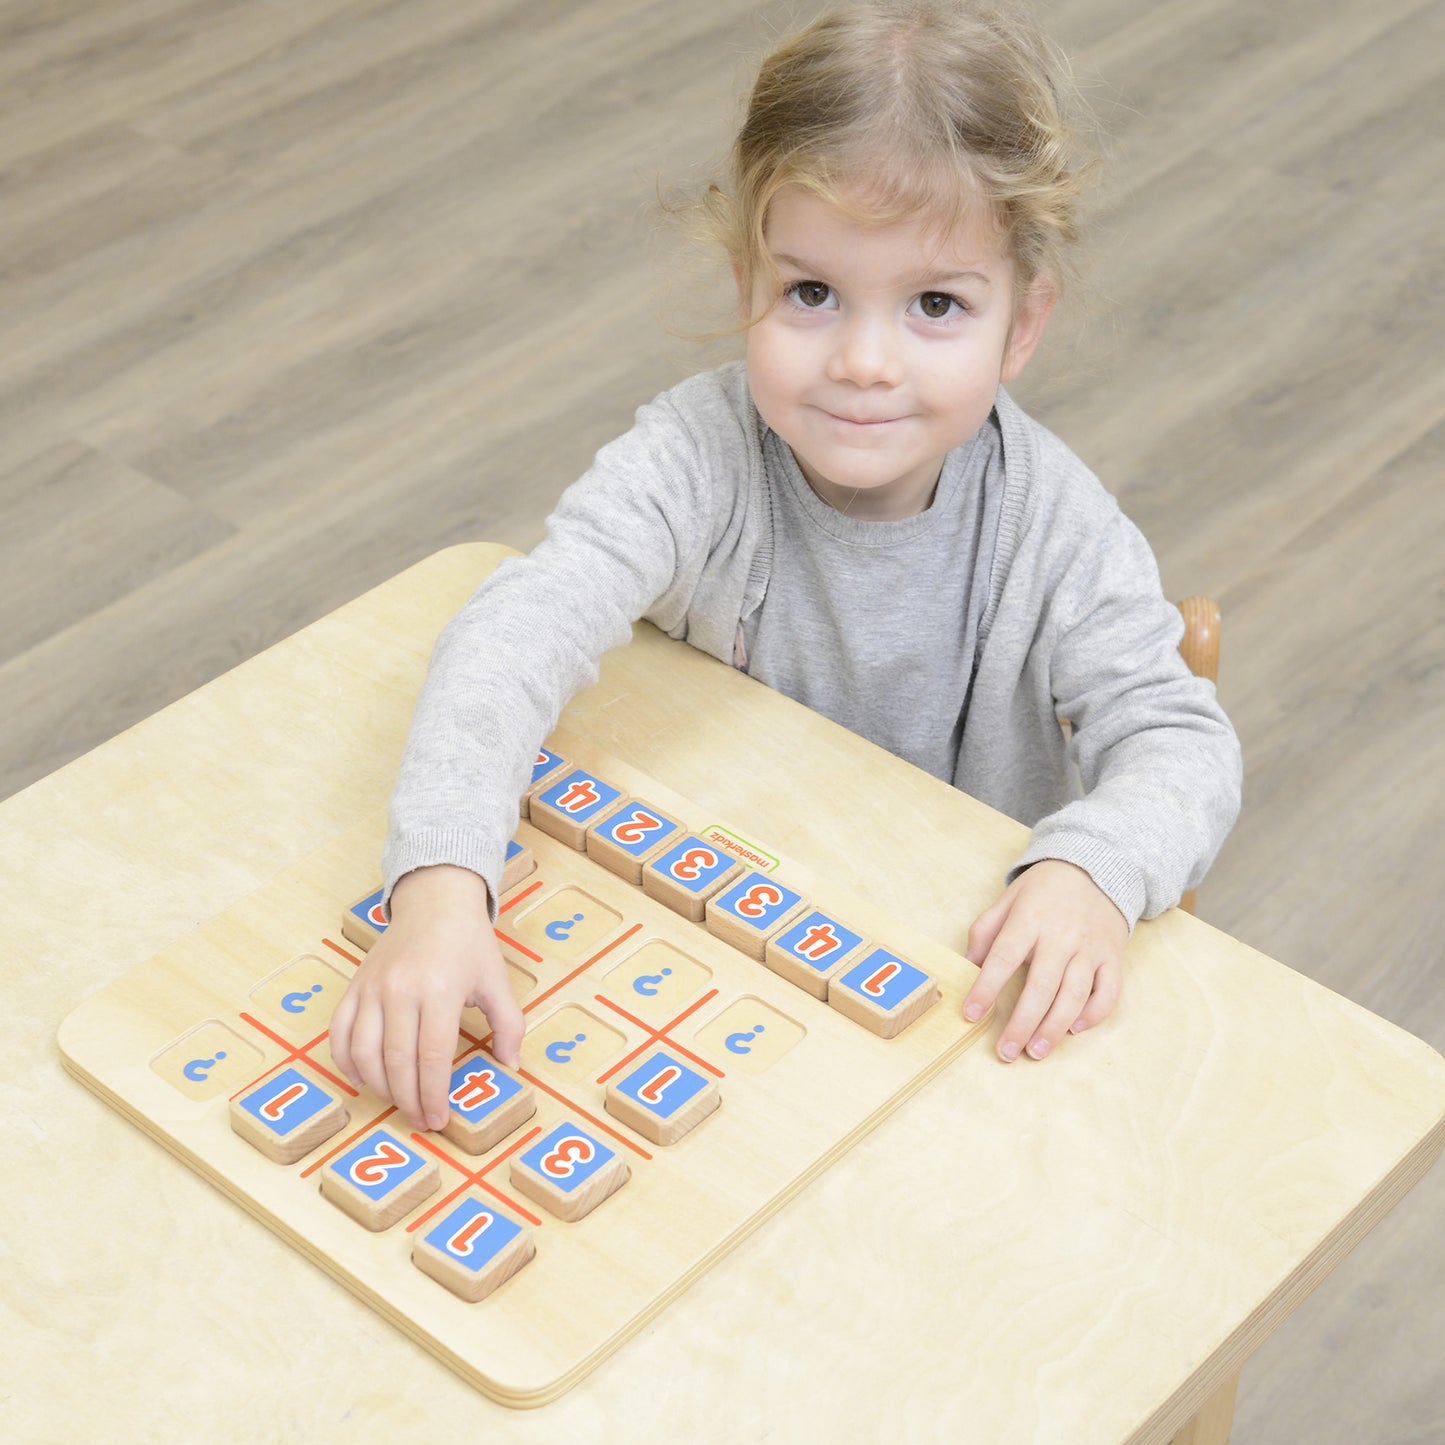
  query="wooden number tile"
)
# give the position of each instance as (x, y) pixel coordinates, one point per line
(882, 992)
(475, 1248)
(287, 1115)
(569, 1171)
(811, 950)
(379, 1180)
(750, 910)
(686, 875)
(564, 808)
(663, 1098)
(520, 864)
(364, 922)
(624, 840)
(547, 766)
(486, 1103)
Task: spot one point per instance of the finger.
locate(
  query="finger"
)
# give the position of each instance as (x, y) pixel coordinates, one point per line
(402, 1023)
(436, 1044)
(366, 1059)
(1007, 954)
(1108, 984)
(1074, 990)
(504, 1017)
(1046, 970)
(985, 929)
(342, 1020)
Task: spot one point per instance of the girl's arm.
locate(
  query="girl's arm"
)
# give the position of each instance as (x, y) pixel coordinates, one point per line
(1161, 768)
(636, 526)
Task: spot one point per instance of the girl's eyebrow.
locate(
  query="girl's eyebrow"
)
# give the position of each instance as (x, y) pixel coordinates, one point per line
(924, 283)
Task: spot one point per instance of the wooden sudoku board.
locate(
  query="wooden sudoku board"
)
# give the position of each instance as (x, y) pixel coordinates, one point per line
(623, 996)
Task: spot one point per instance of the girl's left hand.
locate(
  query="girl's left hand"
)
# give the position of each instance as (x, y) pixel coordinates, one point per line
(1055, 918)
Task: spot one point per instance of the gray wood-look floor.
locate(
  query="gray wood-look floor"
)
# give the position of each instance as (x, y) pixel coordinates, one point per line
(294, 293)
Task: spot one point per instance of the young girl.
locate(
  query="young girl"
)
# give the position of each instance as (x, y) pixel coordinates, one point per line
(858, 516)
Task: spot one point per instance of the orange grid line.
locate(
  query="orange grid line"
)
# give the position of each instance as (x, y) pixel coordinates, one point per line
(294, 1053)
(337, 948)
(656, 1034)
(474, 1177)
(516, 898)
(577, 972)
(591, 1118)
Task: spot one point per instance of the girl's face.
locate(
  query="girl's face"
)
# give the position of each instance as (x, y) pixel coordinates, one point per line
(883, 348)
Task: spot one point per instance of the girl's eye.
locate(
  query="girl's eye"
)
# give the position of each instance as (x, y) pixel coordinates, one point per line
(812, 294)
(937, 305)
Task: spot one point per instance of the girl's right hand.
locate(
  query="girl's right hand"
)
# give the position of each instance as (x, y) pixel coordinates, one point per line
(395, 1031)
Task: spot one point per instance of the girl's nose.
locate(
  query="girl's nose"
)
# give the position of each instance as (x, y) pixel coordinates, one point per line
(864, 354)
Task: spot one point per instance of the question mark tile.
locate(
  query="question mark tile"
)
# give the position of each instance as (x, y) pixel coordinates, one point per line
(208, 1061)
(564, 927)
(749, 1036)
(300, 996)
(571, 1044)
(656, 981)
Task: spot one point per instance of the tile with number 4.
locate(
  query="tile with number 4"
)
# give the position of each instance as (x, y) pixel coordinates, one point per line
(485, 1103)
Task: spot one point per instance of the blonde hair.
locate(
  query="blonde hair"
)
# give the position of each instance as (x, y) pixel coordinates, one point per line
(905, 110)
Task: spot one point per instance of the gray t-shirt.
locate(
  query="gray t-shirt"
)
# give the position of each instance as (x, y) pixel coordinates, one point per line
(875, 623)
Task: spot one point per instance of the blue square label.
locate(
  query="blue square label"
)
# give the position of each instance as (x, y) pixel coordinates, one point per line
(478, 1088)
(883, 979)
(662, 1084)
(369, 911)
(757, 901)
(818, 941)
(567, 1157)
(283, 1104)
(635, 828)
(473, 1234)
(545, 762)
(579, 796)
(692, 864)
(378, 1164)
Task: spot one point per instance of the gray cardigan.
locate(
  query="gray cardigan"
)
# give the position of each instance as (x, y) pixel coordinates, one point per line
(684, 520)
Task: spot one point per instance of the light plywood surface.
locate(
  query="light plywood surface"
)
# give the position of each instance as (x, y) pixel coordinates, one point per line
(1103, 1243)
(687, 1202)
(293, 294)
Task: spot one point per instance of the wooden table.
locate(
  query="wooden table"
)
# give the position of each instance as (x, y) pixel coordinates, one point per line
(1083, 1250)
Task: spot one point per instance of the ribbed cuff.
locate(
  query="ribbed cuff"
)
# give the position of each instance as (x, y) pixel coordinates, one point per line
(460, 847)
(1120, 879)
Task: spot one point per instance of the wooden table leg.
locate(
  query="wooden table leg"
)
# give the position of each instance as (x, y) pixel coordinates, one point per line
(1211, 1425)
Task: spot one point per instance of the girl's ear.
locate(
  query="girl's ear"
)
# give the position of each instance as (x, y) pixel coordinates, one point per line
(1027, 330)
